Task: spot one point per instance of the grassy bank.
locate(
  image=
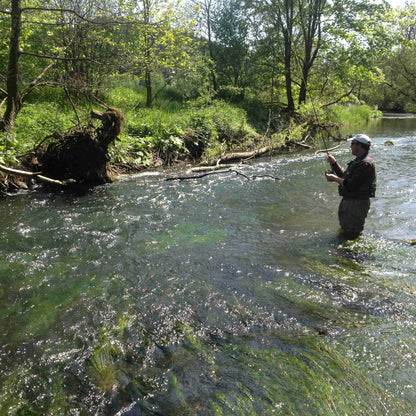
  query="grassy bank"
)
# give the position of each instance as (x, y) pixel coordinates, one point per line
(174, 130)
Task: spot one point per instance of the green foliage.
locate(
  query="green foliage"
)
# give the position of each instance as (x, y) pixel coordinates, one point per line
(127, 97)
(410, 108)
(231, 93)
(153, 134)
(131, 151)
(349, 115)
(160, 132)
(231, 30)
(41, 119)
(226, 122)
(9, 146)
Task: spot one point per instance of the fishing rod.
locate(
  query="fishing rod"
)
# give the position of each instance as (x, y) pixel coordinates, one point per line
(322, 136)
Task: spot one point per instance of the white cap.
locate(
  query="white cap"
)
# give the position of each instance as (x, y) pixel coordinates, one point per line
(362, 138)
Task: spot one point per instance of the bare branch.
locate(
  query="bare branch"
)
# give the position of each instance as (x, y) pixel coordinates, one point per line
(37, 80)
(57, 58)
(75, 13)
(347, 94)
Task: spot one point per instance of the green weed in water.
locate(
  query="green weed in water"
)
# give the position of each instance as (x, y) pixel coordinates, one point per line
(309, 378)
(103, 371)
(187, 235)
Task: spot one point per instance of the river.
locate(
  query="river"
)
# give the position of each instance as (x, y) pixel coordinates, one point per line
(216, 296)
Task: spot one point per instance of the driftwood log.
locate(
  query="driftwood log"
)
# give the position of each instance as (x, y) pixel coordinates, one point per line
(228, 157)
(18, 172)
(246, 156)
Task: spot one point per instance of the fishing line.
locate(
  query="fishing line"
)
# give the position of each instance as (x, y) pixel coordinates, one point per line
(298, 61)
(318, 123)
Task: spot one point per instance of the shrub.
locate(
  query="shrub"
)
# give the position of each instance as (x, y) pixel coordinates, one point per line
(353, 114)
(162, 137)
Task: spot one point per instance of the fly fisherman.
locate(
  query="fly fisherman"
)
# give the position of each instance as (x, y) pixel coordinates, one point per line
(357, 184)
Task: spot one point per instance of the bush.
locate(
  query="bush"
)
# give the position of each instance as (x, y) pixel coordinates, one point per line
(231, 94)
(132, 151)
(410, 108)
(127, 98)
(223, 122)
(163, 137)
(354, 114)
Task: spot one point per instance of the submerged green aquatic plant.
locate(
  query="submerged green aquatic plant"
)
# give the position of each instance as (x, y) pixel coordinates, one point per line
(102, 370)
(308, 377)
(189, 234)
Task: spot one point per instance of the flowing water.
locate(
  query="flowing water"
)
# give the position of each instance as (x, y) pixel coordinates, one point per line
(216, 296)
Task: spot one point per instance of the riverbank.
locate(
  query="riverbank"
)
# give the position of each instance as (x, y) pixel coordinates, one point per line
(18, 179)
(201, 132)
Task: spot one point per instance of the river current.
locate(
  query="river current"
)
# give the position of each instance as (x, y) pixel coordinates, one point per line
(215, 296)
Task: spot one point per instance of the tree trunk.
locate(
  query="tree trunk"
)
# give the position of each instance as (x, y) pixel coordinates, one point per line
(148, 80)
(210, 46)
(311, 28)
(305, 74)
(288, 75)
(148, 53)
(286, 17)
(13, 97)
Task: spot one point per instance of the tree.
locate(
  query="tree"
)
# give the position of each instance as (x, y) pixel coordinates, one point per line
(158, 40)
(357, 38)
(207, 9)
(310, 21)
(231, 29)
(39, 46)
(399, 65)
(337, 38)
(13, 100)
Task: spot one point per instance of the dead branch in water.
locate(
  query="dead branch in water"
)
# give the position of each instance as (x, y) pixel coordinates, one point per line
(300, 144)
(210, 168)
(186, 177)
(35, 175)
(18, 172)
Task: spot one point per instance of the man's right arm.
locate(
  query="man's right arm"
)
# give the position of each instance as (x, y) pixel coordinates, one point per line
(335, 166)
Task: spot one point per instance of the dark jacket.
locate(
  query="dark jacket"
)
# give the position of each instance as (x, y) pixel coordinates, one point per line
(360, 178)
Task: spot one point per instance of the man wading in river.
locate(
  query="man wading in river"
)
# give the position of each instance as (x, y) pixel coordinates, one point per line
(357, 184)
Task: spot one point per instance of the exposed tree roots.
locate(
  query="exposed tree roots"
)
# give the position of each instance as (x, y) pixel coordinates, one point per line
(77, 158)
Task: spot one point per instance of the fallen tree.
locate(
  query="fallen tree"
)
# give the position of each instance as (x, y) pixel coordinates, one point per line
(228, 157)
(78, 158)
(81, 155)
